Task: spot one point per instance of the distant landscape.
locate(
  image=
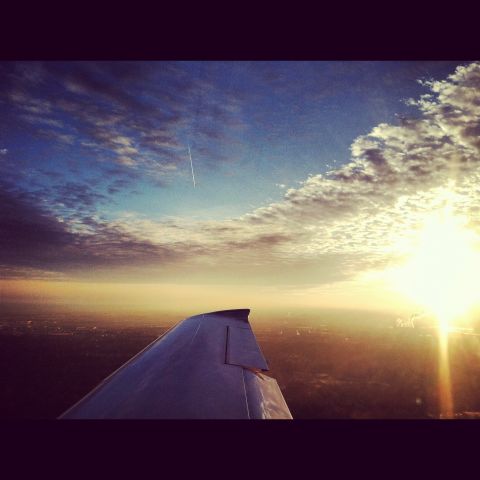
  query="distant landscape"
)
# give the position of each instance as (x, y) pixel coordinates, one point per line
(329, 366)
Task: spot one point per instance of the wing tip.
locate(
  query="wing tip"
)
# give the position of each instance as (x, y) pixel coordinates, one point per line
(238, 313)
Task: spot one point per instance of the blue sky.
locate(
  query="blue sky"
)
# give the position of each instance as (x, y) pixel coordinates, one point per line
(307, 173)
(252, 126)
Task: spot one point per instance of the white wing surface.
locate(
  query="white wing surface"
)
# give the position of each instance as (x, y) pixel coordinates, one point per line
(207, 366)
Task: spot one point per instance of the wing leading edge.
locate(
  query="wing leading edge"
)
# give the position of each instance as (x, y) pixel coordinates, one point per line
(207, 366)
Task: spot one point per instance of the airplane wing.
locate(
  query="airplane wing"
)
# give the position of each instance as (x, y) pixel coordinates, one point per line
(207, 366)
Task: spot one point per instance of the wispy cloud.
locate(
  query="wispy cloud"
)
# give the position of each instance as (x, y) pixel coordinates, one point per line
(34, 238)
(357, 213)
(139, 115)
(330, 228)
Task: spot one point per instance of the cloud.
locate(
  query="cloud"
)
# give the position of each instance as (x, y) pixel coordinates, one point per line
(332, 227)
(361, 212)
(3, 151)
(34, 238)
(136, 114)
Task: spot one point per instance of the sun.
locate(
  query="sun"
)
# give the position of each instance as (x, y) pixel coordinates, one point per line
(443, 270)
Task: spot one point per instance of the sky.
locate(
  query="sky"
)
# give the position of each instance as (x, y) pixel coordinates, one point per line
(311, 179)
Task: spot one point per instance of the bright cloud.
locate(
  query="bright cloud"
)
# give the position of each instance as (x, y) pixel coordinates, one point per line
(356, 217)
(335, 226)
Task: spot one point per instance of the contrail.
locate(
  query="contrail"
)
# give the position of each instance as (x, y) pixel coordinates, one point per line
(191, 165)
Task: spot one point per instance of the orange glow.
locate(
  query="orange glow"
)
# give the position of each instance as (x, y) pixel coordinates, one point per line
(191, 298)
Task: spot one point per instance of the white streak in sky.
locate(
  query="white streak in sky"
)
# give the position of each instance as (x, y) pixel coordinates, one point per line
(191, 165)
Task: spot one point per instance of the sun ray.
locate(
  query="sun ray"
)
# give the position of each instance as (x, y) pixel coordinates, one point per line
(444, 380)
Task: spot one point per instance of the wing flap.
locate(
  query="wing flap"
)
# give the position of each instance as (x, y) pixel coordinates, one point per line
(243, 349)
(264, 398)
